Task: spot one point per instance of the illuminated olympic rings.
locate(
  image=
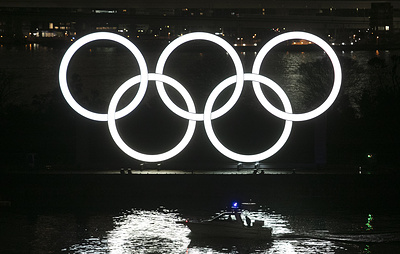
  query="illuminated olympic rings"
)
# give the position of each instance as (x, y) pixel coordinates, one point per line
(191, 115)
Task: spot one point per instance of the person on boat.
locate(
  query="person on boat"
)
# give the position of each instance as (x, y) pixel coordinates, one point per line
(248, 221)
(238, 218)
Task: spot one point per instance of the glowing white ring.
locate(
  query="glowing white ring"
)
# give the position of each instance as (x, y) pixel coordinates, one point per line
(153, 157)
(241, 157)
(336, 84)
(102, 36)
(191, 115)
(236, 61)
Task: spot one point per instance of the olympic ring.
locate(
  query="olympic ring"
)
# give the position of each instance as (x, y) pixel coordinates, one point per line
(117, 138)
(240, 157)
(102, 36)
(336, 84)
(217, 40)
(191, 114)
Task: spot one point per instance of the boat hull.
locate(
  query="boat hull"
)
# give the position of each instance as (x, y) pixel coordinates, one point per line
(229, 230)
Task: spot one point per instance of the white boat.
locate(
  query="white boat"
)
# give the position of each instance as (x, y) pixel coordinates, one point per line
(230, 225)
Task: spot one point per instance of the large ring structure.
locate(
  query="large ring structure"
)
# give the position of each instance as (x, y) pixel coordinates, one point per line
(153, 157)
(217, 40)
(241, 157)
(191, 115)
(62, 76)
(336, 68)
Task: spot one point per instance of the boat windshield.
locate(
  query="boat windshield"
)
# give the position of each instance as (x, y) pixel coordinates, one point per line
(228, 216)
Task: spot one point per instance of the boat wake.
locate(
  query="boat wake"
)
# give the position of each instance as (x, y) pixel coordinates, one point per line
(373, 237)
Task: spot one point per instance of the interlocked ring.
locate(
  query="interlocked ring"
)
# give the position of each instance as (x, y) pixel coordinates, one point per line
(236, 61)
(191, 114)
(146, 157)
(102, 36)
(240, 157)
(336, 68)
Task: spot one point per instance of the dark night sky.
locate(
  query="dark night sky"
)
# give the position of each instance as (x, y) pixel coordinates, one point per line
(192, 3)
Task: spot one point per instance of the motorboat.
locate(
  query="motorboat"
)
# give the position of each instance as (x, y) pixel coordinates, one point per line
(229, 224)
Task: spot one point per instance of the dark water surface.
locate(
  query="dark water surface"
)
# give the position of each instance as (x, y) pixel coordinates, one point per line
(78, 213)
(140, 230)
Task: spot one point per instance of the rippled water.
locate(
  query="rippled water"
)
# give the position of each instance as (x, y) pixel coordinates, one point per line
(138, 231)
(141, 231)
(156, 231)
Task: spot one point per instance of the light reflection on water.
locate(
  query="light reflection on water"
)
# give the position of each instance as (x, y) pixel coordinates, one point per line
(147, 232)
(156, 231)
(139, 231)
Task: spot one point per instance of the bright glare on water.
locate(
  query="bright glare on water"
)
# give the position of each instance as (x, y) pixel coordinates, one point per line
(156, 231)
(147, 232)
(139, 231)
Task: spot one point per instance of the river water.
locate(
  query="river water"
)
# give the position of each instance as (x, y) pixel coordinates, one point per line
(155, 231)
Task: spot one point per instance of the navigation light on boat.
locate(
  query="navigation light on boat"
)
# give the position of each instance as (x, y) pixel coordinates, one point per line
(235, 205)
